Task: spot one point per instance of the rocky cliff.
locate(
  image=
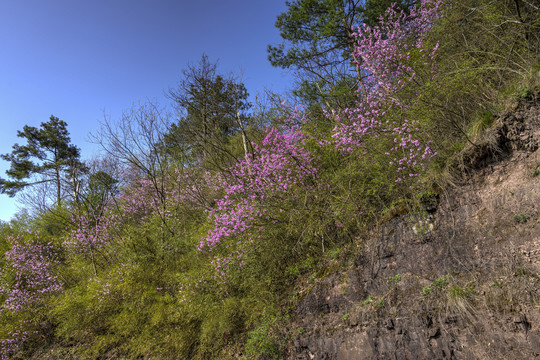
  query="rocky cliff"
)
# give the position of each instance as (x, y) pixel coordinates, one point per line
(459, 280)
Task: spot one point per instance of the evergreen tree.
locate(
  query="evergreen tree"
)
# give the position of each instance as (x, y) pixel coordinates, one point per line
(212, 107)
(48, 153)
(318, 43)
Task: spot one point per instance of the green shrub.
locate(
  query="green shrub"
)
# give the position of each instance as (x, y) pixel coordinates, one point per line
(521, 218)
(461, 292)
(522, 93)
(260, 343)
(441, 281)
(426, 290)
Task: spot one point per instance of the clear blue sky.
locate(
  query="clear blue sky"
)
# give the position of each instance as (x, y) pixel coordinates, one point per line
(78, 59)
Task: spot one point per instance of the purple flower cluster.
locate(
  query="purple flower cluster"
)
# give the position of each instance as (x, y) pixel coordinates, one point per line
(140, 199)
(266, 175)
(91, 235)
(16, 338)
(392, 57)
(391, 53)
(166, 196)
(31, 263)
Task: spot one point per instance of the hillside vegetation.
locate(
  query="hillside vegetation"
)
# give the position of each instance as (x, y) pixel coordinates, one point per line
(199, 238)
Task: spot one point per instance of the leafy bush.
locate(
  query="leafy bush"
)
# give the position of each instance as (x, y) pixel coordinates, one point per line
(426, 290)
(260, 343)
(463, 292)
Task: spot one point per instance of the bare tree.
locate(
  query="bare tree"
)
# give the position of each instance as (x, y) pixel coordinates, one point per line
(135, 141)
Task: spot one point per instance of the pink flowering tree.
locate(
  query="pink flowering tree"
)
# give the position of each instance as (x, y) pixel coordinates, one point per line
(394, 60)
(169, 209)
(95, 237)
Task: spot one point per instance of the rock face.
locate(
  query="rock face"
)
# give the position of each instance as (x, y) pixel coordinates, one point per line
(458, 281)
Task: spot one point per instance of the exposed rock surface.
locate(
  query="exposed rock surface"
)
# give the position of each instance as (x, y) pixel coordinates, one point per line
(460, 283)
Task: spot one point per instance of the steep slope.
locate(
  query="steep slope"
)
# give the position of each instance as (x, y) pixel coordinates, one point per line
(458, 281)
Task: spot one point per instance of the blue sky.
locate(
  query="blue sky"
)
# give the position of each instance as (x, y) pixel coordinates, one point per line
(80, 59)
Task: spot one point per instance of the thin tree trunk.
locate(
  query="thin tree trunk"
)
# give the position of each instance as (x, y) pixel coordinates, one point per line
(244, 136)
(58, 188)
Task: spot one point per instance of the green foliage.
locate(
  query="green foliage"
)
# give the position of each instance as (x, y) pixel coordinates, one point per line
(476, 63)
(300, 27)
(394, 279)
(521, 218)
(137, 294)
(522, 93)
(482, 121)
(260, 343)
(101, 188)
(314, 28)
(353, 191)
(212, 109)
(317, 41)
(223, 325)
(522, 271)
(437, 284)
(441, 281)
(334, 253)
(369, 300)
(32, 324)
(54, 221)
(461, 292)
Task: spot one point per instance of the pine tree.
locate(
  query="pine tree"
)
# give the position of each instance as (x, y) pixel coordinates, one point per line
(318, 42)
(48, 153)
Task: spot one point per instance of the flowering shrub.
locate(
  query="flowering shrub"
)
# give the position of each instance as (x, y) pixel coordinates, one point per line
(167, 197)
(10, 345)
(264, 177)
(391, 54)
(89, 235)
(391, 58)
(30, 262)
